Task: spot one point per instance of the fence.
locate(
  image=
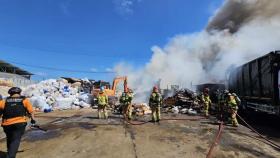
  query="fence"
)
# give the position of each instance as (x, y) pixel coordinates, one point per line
(15, 79)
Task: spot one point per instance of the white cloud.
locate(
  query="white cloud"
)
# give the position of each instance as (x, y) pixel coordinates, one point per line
(108, 69)
(64, 6)
(125, 7)
(94, 69)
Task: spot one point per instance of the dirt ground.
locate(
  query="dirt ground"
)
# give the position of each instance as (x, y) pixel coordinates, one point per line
(79, 134)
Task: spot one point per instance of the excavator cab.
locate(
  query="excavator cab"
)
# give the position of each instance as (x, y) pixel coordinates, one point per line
(99, 84)
(110, 91)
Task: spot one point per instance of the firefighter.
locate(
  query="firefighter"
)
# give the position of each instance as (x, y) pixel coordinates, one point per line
(222, 99)
(102, 100)
(14, 111)
(125, 101)
(237, 99)
(233, 107)
(206, 101)
(155, 102)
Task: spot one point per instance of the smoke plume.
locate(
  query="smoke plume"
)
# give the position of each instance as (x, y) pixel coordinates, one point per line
(236, 13)
(239, 31)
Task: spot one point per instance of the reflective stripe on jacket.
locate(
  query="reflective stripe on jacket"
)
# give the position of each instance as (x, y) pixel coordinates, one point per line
(155, 99)
(206, 99)
(102, 98)
(126, 98)
(232, 103)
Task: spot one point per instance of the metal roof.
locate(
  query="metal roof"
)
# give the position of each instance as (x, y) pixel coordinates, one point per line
(9, 68)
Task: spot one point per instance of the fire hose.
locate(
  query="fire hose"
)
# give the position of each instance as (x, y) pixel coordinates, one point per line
(34, 126)
(269, 141)
(213, 145)
(216, 140)
(169, 119)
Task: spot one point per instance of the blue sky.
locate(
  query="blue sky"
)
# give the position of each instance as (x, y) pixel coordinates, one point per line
(93, 35)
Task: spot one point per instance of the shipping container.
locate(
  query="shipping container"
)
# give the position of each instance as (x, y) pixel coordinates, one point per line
(257, 83)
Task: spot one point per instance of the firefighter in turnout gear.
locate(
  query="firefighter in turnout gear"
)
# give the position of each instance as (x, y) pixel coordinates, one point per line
(222, 97)
(237, 99)
(102, 99)
(233, 107)
(206, 101)
(125, 101)
(14, 111)
(155, 102)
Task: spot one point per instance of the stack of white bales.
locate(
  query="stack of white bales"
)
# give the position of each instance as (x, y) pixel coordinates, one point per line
(56, 94)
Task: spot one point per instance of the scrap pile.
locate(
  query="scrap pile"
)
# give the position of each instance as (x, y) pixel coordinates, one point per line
(141, 109)
(57, 94)
(5, 85)
(183, 101)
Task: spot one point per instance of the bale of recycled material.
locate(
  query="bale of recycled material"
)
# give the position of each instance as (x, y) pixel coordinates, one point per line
(7, 83)
(57, 94)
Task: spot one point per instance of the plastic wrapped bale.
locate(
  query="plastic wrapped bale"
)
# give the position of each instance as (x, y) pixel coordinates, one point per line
(175, 110)
(84, 104)
(54, 91)
(77, 85)
(81, 104)
(184, 111)
(87, 98)
(39, 103)
(62, 80)
(50, 100)
(192, 112)
(63, 103)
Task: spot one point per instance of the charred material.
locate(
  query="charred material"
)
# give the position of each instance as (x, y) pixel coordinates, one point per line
(183, 101)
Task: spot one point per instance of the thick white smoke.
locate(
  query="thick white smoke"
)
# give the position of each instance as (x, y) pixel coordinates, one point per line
(207, 56)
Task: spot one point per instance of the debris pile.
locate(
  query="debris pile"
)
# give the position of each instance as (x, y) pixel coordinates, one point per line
(141, 109)
(57, 94)
(183, 101)
(5, 85)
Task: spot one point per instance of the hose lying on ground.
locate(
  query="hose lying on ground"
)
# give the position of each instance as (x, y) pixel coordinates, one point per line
(168, 119)
(269, 141)
(216, 140)
(38, 127)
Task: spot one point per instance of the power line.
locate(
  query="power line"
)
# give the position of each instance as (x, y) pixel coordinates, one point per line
(63, 70)
(90, 54)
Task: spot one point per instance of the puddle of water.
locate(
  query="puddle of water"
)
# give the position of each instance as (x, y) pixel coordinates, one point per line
(37, 135)
(86, 125)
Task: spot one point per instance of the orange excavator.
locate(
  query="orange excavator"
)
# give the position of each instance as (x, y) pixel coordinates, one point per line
(111, 92)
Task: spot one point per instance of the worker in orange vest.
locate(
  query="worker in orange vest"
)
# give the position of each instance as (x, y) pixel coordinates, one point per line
(14, 111)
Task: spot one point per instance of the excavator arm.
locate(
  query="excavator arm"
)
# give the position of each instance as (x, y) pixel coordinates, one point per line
(112, 92)
(116, 81)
